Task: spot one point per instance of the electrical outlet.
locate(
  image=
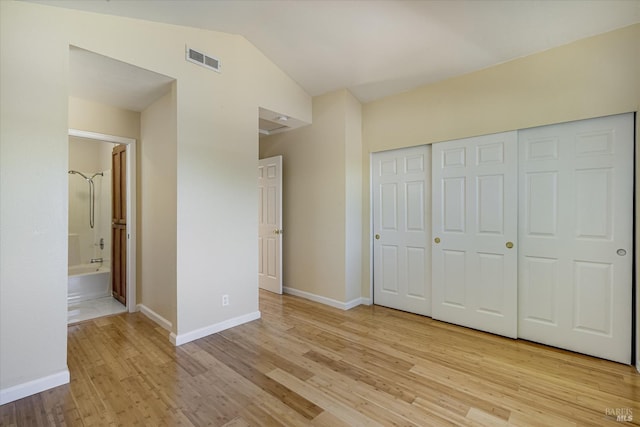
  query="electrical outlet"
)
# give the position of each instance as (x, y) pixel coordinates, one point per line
(225, 300)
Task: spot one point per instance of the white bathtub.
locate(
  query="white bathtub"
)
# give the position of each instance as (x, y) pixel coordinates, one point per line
(87, 282)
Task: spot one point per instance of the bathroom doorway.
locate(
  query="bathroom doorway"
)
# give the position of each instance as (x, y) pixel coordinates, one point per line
(101, 228)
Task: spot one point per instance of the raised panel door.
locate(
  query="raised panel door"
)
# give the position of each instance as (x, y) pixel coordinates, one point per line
(270, 224)
(402, 254)
(474, 250)
(576, 236)
(119, 223)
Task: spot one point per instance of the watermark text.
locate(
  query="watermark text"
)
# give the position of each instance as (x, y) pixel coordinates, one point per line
(620, 414)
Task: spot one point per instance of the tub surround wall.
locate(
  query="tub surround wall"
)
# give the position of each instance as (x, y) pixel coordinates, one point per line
(84, 241)
(89, 156)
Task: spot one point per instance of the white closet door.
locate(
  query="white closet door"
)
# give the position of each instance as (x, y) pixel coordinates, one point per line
(576, 226)
(401, 197)
(475, 229)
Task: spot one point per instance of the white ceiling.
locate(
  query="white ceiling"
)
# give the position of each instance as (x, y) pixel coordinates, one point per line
(377, 48)
(112, 82)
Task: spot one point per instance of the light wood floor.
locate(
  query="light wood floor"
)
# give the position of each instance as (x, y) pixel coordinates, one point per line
(308, 364)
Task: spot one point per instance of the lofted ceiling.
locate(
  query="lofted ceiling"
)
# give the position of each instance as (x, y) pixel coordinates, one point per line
(376, 48)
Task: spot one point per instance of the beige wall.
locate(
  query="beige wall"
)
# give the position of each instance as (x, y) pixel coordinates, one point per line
(157, 208)
(216, 157)
(321, 199)
(87, 155)
(593, 77)
(91, 116)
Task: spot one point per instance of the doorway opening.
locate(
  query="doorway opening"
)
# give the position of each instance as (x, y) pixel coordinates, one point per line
(102, 251)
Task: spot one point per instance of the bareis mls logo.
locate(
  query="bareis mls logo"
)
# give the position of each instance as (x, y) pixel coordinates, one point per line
(620, 414)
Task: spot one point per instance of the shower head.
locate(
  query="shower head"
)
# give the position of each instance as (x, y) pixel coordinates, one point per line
(72, 172)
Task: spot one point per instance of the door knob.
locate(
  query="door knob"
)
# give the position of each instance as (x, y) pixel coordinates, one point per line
(509, 245)
(621, 252)
(276, 231)
(377, 237)
(437, 240)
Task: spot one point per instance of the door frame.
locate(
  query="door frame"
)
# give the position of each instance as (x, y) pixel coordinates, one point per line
(371, 227)
(131, 205)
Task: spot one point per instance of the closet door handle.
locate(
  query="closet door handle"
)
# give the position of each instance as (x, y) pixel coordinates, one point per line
(509, 245)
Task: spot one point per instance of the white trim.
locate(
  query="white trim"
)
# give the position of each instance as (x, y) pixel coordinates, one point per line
(212, 329)
(29, 388)
(101, 136)
(164, 323)
(371, 165)
(365, 301)
(131, 203)
(327, 301)
(131, 226)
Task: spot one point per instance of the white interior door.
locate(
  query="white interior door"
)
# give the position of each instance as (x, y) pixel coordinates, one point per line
(576, 226)
(401, 223)
(270, 224)
(475, 231)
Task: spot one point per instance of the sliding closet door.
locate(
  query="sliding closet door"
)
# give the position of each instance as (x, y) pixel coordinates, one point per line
(401, 183)
(474, 277)
(576, 226)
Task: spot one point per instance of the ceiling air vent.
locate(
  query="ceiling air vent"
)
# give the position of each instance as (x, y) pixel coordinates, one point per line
(204, 60)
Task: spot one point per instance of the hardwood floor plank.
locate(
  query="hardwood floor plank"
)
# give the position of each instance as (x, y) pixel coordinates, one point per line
(237, 422)
(60, 407)
(363, 376)
(345, 391)
(224, 351)
(453, 416)
(304, 364)
(485, 418)
(259, 354)
(329, 404)
(327, 419)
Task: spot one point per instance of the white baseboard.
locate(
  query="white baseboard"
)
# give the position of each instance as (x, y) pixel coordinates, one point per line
(19, 391)
(327, 301)
(212, 329)
(164, 323)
